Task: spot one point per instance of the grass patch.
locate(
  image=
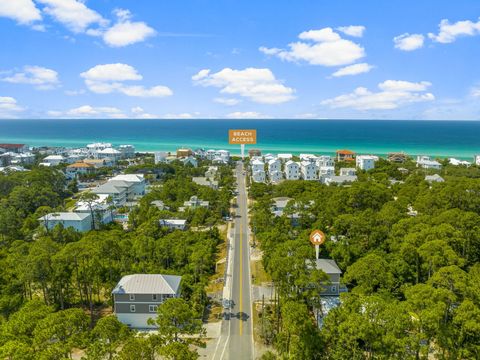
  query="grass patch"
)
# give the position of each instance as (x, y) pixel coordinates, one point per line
(259, 275)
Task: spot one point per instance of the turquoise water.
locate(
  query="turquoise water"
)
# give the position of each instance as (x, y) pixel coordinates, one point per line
(436, 138)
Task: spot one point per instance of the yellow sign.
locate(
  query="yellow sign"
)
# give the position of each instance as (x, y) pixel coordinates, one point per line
(317, 237)
(239, 137)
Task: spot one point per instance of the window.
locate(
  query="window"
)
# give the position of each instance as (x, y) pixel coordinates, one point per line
(154, 297)
(132, 297)
(152, 308)
(132, 308)
(334, 288)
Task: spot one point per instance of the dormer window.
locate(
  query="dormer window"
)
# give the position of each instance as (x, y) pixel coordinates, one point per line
(132, 297)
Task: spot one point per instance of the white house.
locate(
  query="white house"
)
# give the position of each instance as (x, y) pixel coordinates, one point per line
(204, 181)
(366, 162)
(78, 221)
(348, 172)
(427, 163)
(259, 176)
(284, 157)
(257, 165)
(308, 170)
(458, 162)
(308, 157)
(275, 176)
(137, 182)
(324, 161)
(127, 151)
(292, 170)
(173, 224)
(136, 297)
(100, 208)
(195, 203)
(160, 157)
(79, 168)
(326, 171)
(110, 153)
(54, 160)
(274, 165)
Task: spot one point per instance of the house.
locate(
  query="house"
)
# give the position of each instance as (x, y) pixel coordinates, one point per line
(366, 162)
(190, 160)
(20, 158)
(307, 157)
(275, 176)
(427, 163)
(15, 148)
(100, 207)
(325, 171)
(136, 297)
(195, 203)
(434, 178)
(12, 168)
(109, 153)
(117, 191)
(397, 157)
(79, 168)
(268, 157)
(345, 155)
(257, 165)
(279, 205)
(53, 160)
(348, 172)
(78, 221)
(159, 204)
(94, 148)
(292, 170)
(204, 181)
(274, 165)
(457, 162)
(308, 170)
(160, 157)
(99, 163)
(184, 152)
(211, 172)
(173, 224)
(330, 268)
(254, 152)
(259, 176)
(284, 157)
(137, 182)
(340, 179)
(324, 161)
(127, 151)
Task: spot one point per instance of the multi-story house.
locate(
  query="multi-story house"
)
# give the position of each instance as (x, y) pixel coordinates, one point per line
(136, 297)
(308, 170)
(292, 170)
(366, 162)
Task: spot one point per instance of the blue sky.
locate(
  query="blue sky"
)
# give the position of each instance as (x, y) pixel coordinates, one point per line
(240, 59)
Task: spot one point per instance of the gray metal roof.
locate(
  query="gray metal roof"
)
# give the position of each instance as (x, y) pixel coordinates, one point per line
(65, 216)
(148, 284)
(328, 266)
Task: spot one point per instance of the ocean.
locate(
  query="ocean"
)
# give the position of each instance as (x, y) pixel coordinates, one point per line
(436, 138)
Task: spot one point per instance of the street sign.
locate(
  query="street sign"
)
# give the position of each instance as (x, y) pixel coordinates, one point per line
(242, 137)
(317, 237)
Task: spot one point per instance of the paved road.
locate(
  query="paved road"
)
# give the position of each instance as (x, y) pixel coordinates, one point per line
(236, 341)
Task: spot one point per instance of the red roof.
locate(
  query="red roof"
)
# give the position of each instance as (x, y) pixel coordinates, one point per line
(345, 152)
(11, 146)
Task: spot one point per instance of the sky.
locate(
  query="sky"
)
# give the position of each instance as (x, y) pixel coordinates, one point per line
(318, 59)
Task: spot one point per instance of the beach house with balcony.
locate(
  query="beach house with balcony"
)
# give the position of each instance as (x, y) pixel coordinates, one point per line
(308, 170)
(136, 297)
(292, 170)
(366, 162)
(345, 155)
(78, 221)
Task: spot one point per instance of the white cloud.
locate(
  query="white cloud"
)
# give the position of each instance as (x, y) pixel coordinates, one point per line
(125, 32)
(448, 32)
(393, 94)
(41, 77)
(257, 85)
(178, 116)
(227, 101)
(88, 111)
(74, 92)
(247, 115)
(74, 14)
(475, 92)
(8, 107)
(108, 78)
(319, 47)
(352, 30)
(22, 11)
(354, 69)
(137, 110)
(409, 42)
